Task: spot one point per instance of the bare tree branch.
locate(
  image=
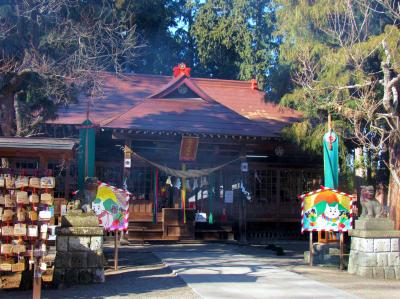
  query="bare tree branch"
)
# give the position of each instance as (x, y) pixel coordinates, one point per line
(70, 44)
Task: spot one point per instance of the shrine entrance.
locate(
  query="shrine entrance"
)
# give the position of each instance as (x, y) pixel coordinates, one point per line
(185, 124)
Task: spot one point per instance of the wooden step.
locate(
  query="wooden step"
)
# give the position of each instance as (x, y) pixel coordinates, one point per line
(145, 235)
(139, 227)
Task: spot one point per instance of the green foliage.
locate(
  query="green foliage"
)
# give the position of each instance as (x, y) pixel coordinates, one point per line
(233, 39)
(320, 60)
(153, 20)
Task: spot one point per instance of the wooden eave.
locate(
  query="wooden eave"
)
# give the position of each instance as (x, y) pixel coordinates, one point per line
(177, 133)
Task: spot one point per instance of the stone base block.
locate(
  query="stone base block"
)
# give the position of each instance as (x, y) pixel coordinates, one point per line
(78, 275)
(377, 258)
(374, 233)
(324, 254)
(79, 219)
(95, 260)
(79, 256)
(374, 224)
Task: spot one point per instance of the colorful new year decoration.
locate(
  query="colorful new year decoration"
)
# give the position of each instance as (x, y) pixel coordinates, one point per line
(326, 210)
(111, 207)
(331, 158)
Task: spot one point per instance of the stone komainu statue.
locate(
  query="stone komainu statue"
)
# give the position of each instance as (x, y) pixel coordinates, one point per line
(371, 208)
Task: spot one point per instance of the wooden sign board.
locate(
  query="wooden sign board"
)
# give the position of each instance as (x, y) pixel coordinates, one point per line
(189, 147)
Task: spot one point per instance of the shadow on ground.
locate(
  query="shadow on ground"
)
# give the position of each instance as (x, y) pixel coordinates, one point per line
(140, 275)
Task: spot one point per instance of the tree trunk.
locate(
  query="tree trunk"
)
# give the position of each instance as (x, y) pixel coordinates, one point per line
(18, 116)
(7, 114)
(359, 175)
(394, 185)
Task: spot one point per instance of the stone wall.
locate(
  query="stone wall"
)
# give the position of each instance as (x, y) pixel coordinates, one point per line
(375, 257)
(79, 257)
(375, 249)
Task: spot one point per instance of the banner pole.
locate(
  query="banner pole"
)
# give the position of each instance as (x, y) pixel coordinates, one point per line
(311, 249)
(116, 250)
(341, 250)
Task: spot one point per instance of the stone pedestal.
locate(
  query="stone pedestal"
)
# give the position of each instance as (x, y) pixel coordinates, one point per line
(79, 257)
(324, 254)
(375, 249)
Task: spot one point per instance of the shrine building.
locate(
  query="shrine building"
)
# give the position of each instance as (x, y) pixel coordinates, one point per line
(203, 158)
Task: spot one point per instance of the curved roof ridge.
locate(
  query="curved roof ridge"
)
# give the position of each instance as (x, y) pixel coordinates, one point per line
(175, 83)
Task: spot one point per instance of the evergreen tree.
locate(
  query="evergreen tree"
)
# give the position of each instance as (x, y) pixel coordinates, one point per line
(155, 22)
(233, 39)
(343, 60)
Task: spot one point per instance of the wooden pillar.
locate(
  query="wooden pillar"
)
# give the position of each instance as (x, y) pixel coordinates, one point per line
(67, 177)
(42, 162)
(243, 201)
(183, 194)
(196, 193)
(278, 192)
(127, 157)
(125, 183)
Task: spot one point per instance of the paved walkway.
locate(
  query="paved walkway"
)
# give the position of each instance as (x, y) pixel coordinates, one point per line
(228, 271)
(219, 271)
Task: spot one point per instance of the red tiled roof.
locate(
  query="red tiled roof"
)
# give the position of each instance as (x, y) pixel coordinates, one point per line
(238, 96)
(120, 93)
(176, 83)
(186, 116)
(223, 107)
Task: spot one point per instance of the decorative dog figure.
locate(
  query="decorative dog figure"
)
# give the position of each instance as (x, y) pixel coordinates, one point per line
(371, 208)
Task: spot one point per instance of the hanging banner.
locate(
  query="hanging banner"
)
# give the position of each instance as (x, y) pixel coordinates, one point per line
(112, 207)
(326, 210)
(86, 152)
(331, 159)
(188, 150)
